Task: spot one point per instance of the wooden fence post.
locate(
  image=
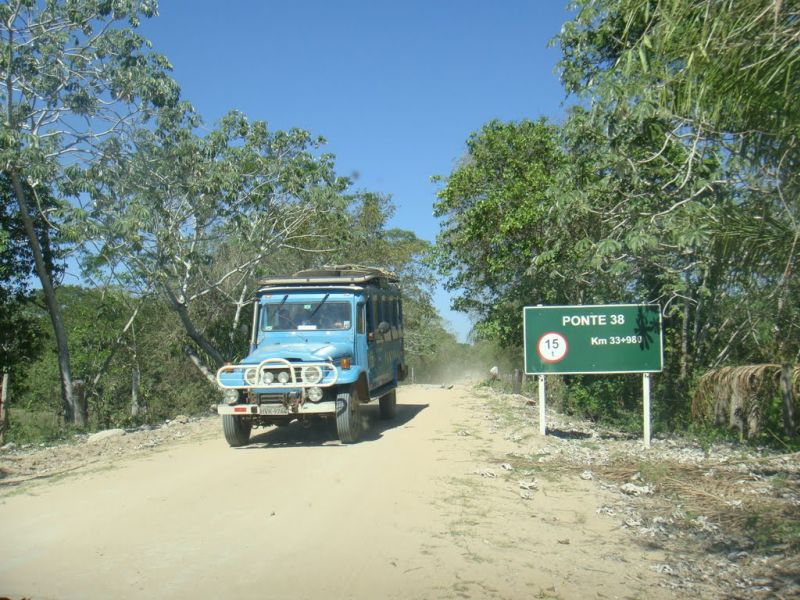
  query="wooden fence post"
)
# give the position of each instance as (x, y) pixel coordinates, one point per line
(81, 407)
(3, 403)
(789, 424)
(135, 406)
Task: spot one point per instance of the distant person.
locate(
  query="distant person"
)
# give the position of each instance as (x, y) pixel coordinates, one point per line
(494, 373)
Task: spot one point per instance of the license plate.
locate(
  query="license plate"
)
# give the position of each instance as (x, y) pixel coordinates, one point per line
(273, 410)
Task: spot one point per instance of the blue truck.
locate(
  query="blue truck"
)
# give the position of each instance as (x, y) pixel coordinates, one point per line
(324, 342)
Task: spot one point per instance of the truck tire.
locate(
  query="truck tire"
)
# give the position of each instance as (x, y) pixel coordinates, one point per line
(348, 416)
(388, 405)
(237, 430)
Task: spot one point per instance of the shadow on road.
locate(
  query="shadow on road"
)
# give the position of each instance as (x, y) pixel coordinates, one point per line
(323, 432)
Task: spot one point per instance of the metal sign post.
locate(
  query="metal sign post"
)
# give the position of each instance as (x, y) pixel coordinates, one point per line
(646, 407)
(594, 339)
(542, 422)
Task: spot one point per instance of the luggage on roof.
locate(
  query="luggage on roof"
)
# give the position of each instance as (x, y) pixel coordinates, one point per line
(336, 274)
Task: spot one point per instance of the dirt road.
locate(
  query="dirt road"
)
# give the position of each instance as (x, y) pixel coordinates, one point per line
(422, 508)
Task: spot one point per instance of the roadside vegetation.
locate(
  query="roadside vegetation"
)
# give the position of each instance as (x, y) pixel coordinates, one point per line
(673, 180)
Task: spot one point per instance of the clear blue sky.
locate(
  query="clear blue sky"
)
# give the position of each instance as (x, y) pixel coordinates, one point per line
(395, 87)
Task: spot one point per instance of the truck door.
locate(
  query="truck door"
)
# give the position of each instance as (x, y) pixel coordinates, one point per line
(362, 354)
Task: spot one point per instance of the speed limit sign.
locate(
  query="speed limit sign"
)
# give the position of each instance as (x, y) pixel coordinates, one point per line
(552, 347)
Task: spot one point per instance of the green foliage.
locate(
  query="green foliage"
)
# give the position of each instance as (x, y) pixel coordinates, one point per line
(75, 73)
(20, 333)
(197, 219)
(27, 426)
(721, 80)
(501, 245)
(610, 399)
(95, 319)
(674, 182)
(722, 67)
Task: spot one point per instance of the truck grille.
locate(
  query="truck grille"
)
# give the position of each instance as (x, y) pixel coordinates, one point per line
(271, 398)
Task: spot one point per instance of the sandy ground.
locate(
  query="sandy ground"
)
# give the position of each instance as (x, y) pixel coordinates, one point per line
(413, 511)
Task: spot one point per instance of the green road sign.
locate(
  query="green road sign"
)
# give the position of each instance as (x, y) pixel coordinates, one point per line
(604, 338)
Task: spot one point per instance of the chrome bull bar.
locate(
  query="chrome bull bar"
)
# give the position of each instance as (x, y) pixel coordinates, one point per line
(268, 375)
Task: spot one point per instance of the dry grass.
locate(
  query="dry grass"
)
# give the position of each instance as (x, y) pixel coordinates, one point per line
(747, 504)
(756, 504)
(739, 397)
(724, 516)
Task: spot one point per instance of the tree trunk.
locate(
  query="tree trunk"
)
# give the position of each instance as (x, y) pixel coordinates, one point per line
(3, 406)
(135, 377)
(789, 422)
(684, 373)
(81, 403)
(67, 397)
(516, 385)
(201, 366)
(180, 308)
(117, 345)
(234, 332)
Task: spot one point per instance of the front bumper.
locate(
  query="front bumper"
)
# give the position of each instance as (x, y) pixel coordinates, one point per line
(277, 410)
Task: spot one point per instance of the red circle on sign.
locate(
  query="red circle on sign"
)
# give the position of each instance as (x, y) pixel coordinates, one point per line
(552, 347)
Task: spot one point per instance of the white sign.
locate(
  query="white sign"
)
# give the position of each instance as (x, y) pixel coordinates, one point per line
(552, 347)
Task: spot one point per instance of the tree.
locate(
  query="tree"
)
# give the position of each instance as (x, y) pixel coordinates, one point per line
(595, 212)
(19, 332)
(721, 68)
(195, 219)
(113, 362)
(722, 78)
(72, 75)
(502, 244)
(366, 238)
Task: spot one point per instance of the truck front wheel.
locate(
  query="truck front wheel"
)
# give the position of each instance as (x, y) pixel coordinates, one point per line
(348, 416)
(237, 430)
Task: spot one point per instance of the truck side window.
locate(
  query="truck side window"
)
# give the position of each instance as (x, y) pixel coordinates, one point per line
(361, 319)
(370, 316)
(400, 313)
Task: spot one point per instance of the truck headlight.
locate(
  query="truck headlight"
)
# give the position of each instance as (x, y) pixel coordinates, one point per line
(231, 396)
(312, 375)
(283, 377)
(315, 394)
(250, 375)
(268, 377)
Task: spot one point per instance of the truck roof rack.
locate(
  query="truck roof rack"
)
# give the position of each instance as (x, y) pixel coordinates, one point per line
(335, 275)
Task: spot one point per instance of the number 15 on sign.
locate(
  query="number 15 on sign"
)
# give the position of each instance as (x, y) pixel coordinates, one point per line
(552, 347)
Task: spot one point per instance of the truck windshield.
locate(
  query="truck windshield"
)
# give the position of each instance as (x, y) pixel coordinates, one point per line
(306, 316)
